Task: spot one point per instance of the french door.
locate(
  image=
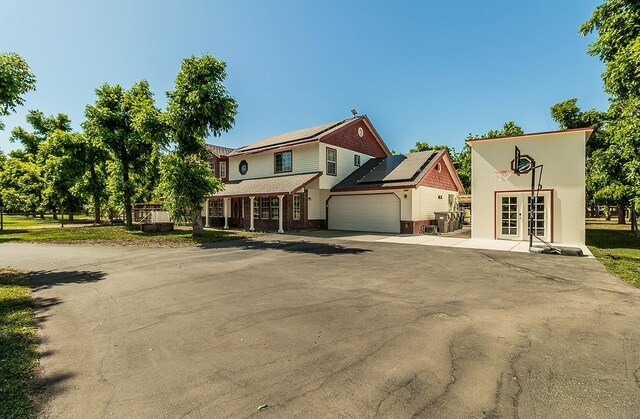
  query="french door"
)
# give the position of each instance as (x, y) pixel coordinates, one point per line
(512, 215)
(509, 217)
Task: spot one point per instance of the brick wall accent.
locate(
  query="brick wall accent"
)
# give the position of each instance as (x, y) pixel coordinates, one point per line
(414, 227)
(347, 137)
(442, 180)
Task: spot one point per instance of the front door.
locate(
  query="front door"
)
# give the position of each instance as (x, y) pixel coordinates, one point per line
(237, 213)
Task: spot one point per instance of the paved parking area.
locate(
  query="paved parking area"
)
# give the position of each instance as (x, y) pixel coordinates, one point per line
(315, 327)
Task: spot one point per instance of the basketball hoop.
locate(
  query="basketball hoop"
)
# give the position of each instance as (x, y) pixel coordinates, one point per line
(503, 175)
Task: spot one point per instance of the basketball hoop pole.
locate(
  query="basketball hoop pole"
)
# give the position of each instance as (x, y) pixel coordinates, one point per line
(532, 203)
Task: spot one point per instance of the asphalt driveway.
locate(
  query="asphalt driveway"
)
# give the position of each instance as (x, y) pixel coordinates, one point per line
(315, 327)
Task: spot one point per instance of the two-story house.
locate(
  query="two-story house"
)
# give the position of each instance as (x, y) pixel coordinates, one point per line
(339, 175)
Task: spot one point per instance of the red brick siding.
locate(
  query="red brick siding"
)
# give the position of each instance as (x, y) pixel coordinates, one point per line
(347, 137)
(217, 161)
(415, 227)
(442, 180)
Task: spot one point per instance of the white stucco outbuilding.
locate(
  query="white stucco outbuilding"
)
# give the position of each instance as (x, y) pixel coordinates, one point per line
(500, 202)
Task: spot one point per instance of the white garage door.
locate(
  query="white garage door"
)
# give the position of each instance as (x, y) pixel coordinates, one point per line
(378, 213)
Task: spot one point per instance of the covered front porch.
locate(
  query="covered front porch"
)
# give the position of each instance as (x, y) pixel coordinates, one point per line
(274, 203)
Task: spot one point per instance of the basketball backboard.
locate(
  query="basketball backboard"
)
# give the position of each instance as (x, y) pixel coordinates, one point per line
(521, 163)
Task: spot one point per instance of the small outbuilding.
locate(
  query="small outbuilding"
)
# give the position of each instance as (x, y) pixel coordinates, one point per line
(501, 199)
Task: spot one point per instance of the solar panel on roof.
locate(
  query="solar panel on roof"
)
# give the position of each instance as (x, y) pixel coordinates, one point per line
(410, 168)
(405, 171)
(383, 169)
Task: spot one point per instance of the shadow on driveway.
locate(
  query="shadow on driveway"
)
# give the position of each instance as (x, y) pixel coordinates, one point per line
(315, 248)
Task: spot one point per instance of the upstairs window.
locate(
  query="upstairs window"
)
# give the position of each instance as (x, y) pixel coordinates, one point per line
(332, 161)
(356, 160)
(223, 169)
(282, 162)
(212, 164)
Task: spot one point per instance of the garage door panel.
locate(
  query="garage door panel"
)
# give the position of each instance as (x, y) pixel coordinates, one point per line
(376, 213)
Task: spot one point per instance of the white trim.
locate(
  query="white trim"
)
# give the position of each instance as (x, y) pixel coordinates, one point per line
(206, 213)
(280, 230)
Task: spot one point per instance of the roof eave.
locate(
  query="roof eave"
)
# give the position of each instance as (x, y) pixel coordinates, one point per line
(471, 141)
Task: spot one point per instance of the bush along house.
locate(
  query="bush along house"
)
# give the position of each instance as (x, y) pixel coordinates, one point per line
(339, 175)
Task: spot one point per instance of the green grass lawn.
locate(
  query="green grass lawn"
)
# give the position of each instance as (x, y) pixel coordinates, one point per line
(616, 247)
(18, 358)
(118, 236)
(13, 221)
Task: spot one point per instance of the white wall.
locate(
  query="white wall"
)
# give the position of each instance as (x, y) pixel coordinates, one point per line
(304, 159)
(563, 156)
(316, 206)
(426, 202)
(345, 165)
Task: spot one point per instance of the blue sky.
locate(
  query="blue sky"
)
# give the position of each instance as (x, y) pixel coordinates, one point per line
(422, 70)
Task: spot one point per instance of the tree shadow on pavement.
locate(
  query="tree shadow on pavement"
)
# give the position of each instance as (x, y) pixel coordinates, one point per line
(40, 280)
(315, 248)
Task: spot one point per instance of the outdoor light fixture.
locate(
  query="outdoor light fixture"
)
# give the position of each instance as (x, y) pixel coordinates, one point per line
(354, 112)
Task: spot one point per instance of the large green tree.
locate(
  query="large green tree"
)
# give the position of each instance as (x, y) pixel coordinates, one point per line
(63, 160)
(425, 146)
(199, 105)
(568, 115)
(93, 183)
(42, 128)
(128, 125)
(21, 185)
(617, 24)
(16, 79)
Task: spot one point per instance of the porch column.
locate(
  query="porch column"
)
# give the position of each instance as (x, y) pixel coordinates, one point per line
(226, 215)
(206, 213)
(251, 198)
(280, 211)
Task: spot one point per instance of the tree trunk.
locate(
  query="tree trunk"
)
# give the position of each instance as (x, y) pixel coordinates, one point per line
(70, 217)
(621, 212)
(54, 214)
(196, 224)
(127, 195)
(96, 210)
(42, 215)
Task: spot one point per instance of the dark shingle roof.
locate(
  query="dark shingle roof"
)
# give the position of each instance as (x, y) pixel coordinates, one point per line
(399, 171)
(219, 150)
(292, 136)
